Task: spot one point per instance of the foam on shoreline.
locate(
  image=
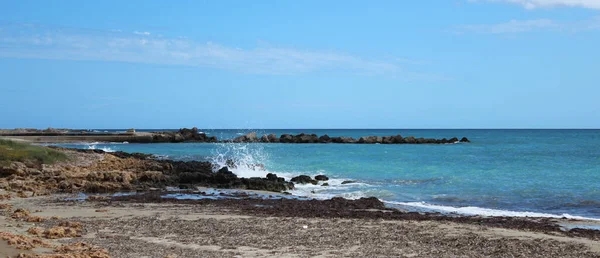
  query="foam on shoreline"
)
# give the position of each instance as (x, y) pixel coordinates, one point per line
(471, 211)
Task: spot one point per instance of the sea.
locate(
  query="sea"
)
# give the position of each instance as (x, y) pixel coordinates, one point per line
(537, 173)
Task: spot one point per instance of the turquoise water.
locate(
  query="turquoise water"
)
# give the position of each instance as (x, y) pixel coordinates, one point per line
(501, 172)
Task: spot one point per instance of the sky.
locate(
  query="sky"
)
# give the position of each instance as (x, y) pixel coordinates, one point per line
(300, 64)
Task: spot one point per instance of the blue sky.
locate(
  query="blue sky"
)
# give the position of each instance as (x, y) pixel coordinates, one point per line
(300, 64)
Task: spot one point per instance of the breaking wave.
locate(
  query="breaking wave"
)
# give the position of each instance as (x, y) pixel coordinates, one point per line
(482, 211)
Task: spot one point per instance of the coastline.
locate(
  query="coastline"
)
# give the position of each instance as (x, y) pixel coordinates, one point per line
(149, 227)
(44, 197)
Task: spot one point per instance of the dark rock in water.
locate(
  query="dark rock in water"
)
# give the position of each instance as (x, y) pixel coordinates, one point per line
(423, 140)
(348, 182)
(398, 139)
(370, 139)
(211, 138)
(321, 178)
(325, 184)
(304, 179)
(230, 163)
(193, 135)
(264, 138)
(134, 155)
(250, 137)
(272, 138)
(387, 140)
(325, 139)
(343, 140)
(464, 139)
(256, 183)
(188, 133)
(410, 139)
(178, 138)
(306, 138)
(286, 138)
(224, 176)
(183, 135)
(272, 177)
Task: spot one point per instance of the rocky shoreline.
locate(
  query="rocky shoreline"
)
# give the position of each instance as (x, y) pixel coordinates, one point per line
(194, 135)
(96, 171)
(43, 215)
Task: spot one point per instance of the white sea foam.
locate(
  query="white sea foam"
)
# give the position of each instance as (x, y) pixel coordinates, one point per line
(484, 211)
(105, 149)
(244, 160)
(248, 158)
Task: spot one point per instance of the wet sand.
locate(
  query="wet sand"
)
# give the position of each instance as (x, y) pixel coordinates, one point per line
(144, 227)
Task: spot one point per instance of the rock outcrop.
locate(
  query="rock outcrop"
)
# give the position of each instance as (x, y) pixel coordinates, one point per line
(183, 135)
(313, 138)
(321, 178)
(250, 137)
(304, 179)
(95, 171)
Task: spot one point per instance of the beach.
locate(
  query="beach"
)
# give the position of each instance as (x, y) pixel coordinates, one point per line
(138, 228)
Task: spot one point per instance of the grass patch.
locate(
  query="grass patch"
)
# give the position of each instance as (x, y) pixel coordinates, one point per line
(17, 151)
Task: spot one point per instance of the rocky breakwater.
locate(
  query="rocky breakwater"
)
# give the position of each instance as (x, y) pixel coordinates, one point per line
(94, 171)
(183, 135)
(313, 138)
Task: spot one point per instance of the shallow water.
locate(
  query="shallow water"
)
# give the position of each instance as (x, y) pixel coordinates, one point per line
(501, 172)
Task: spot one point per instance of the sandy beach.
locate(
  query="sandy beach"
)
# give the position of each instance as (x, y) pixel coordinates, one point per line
(140, 227)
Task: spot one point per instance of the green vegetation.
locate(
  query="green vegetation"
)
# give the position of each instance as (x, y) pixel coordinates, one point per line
(23, 152)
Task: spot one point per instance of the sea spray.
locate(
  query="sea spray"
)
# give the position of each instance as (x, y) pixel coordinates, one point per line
(253, 160)
(105, 149)
(243, 159)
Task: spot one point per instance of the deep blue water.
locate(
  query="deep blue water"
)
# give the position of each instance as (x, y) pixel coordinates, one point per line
(501, 172)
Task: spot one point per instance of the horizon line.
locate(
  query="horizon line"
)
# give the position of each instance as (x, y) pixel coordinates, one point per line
(507, 128)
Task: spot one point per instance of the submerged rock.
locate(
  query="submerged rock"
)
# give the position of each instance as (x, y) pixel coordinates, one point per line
(348, 182)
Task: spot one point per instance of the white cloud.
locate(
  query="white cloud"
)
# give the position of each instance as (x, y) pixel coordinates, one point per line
(532, 4)
(521, 26)
(513, 26)
(32, 41)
